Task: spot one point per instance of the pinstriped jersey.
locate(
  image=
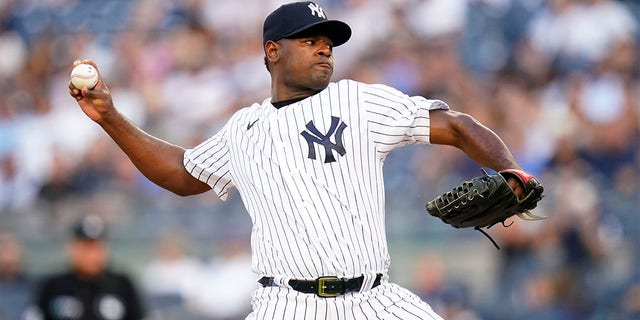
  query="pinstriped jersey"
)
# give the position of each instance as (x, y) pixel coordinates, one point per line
(310, 175)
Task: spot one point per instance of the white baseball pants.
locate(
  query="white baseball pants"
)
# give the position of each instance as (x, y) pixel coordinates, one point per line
(386, 301)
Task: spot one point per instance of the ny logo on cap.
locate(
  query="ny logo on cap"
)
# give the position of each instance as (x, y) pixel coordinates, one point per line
(316, 10)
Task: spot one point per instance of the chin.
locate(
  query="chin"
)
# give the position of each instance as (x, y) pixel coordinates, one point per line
(319, 73)
(320, 86)
(322, 80)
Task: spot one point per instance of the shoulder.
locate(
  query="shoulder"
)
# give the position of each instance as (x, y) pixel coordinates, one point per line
(243, 111)
(344, 83)
(385, 90)
(376, 89)
(241, 115)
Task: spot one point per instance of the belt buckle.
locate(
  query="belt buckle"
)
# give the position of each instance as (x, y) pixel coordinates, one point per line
(322, 287)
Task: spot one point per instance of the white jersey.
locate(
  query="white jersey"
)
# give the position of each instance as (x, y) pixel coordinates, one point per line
(310, 176)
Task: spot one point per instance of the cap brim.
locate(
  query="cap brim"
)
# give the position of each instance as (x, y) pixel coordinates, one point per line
(338, 31)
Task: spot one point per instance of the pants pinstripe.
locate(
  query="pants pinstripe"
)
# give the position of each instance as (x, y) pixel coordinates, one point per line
(386, 301)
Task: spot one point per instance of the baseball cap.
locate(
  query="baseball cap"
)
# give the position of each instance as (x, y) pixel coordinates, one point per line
(294, 18)
(90, 227)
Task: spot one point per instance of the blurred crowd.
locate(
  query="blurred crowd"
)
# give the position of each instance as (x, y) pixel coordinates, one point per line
(558, 80)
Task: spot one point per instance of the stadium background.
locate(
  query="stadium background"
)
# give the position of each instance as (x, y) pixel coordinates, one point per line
(557, 79)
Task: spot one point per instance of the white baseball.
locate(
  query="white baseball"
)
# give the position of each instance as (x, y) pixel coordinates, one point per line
(84, 75)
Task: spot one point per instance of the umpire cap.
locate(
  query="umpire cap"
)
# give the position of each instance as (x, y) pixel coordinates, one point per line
(90, 227)
(294, 18)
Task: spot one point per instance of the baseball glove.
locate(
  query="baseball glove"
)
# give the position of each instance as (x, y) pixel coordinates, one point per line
(487, 200)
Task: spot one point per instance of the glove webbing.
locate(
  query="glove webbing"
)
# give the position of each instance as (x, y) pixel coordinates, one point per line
(484, 232)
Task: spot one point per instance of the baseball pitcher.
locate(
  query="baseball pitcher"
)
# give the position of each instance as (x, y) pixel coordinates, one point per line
(308, 163)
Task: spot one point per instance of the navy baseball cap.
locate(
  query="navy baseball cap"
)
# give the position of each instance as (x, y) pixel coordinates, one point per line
(294, 18)
(90, 227)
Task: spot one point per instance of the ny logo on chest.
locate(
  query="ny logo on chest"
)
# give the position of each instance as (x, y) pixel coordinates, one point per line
(313, 136)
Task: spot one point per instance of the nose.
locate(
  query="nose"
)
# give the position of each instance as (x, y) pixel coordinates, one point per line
(325, 49)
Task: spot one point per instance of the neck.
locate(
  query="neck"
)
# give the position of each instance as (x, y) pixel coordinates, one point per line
(283, 92)
(283, 97)
(286, 93)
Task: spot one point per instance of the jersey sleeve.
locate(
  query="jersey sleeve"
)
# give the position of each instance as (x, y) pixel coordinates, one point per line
(209, 163)
(396, 119)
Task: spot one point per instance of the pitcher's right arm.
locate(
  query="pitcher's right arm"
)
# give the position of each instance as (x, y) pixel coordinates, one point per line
(158, 160)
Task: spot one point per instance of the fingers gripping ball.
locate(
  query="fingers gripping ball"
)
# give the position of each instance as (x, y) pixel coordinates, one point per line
(84, 75)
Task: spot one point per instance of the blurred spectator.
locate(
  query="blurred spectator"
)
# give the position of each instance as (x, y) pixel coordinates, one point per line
(448, 298)
(58, 187)
(15, 286)
(540, 299)
(606, 105)
(16, 191)
(564, 32)
(231, 283)
(89, 289)
(630, 302)
(172, 274)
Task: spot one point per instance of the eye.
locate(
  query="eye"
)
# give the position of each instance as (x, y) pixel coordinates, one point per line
(310, 42)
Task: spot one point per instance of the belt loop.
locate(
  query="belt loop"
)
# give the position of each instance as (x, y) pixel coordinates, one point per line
(367, 282)
(282, 281)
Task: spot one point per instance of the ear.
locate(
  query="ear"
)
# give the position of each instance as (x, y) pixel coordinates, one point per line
(272, 51)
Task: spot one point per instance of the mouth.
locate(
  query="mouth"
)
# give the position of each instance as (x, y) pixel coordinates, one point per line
(325, 65)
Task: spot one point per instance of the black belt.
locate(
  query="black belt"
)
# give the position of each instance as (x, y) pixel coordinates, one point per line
(325, 286)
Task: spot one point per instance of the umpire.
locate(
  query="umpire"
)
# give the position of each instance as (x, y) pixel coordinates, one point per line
(89, 290)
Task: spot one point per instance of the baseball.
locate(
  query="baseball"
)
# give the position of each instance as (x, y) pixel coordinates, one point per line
(84, 75)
